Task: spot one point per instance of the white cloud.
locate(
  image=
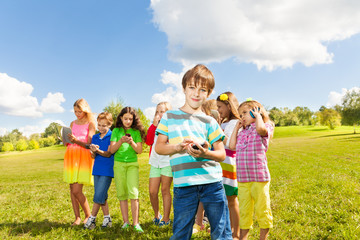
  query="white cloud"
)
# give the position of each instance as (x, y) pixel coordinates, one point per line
(52, 103)
(335, 98)
(270, 34)
(3, 131)
(16, 99)
(173, 94)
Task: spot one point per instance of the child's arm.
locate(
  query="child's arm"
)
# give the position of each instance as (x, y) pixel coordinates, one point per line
(149, 139)
(96, 150)
(259, 123)
(114, 146)
(136, 146)
(218, 154)
(233, 137)
(162, 146)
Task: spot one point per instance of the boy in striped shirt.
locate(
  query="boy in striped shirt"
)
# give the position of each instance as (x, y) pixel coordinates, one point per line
(187, 134)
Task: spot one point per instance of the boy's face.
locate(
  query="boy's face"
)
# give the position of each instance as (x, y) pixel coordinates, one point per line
(103, 126)
(195, 96)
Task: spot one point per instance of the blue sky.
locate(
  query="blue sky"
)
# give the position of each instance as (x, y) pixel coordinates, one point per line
(54, 52)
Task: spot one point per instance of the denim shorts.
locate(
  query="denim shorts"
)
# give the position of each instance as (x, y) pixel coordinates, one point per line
(101, 184)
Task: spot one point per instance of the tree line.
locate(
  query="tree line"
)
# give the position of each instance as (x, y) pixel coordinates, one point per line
(348, 113)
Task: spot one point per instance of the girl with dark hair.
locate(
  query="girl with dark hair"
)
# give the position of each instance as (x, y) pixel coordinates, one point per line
(125, 144)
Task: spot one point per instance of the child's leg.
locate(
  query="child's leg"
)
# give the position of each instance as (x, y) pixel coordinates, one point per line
(244, 233)
(200, 214)
(215, 204)
(186, 201)
(166, 195)
(124, 210)
(234, 215)
(135, 211)
(105, 208)
(264, 233)
(79, 195)
(261, 195)
(154, 184)
(132, 181)
(76, 207)
(95, 209)
(246, 208)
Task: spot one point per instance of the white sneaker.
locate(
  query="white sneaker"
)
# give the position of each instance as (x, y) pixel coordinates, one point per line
(107, 222)
(90, 223)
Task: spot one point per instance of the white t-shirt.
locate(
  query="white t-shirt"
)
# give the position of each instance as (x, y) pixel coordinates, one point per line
(156, 160)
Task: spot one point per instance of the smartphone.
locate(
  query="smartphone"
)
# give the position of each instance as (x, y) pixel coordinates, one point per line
(252, 115)
(196, 147)
(128, 135)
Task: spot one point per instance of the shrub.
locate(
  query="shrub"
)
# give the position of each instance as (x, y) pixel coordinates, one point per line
(7, 147)
(33, 144)
(21, 145)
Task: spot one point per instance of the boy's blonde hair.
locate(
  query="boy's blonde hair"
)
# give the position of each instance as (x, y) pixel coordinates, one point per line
(199, 75)
(84, 106)
(106, 116)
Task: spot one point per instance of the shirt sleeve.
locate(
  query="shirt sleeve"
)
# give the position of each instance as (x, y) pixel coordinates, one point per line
(163, 126)
(115, 135)
(149, 139)
(215, 132)
(137, 137)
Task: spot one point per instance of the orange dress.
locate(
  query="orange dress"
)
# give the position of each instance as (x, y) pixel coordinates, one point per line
(78, 162)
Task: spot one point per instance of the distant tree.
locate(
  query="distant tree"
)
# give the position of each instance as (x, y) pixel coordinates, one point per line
(7, 147)
(21, 145)
(35, 136)
(330, 117)
(47, 142)
(304, 115)
(290, 118)
(277, 116)
(114, 108)
(351, 108)
(51, 130)
(33, 144)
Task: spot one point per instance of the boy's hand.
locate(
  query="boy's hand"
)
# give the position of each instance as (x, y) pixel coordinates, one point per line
(198, 150)
(94, 148)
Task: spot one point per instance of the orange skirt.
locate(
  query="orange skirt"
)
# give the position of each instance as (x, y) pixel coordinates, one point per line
(78, 165)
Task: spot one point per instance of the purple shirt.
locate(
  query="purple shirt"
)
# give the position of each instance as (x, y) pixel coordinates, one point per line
(251, 161)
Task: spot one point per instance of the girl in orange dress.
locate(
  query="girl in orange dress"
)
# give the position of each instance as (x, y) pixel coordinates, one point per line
(78, 162)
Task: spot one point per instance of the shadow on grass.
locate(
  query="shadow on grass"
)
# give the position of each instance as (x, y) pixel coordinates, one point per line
(34, 228)
(319, 129)
(339, 135)
(44, 227)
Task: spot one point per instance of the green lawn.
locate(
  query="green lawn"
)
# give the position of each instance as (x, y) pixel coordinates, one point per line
(315, 191)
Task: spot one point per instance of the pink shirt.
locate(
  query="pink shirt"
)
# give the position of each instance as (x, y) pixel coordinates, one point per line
(81, 132)
(251, 161)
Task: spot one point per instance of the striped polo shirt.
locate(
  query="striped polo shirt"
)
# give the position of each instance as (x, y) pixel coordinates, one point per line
(187, 170)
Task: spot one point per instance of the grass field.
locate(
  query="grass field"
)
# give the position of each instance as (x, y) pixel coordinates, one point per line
(315, 191)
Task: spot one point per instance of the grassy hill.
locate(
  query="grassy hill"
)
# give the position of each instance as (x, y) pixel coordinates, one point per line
(315, 191)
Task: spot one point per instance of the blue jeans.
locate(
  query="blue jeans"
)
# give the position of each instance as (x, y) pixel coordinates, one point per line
(186, 201)
(101, 185)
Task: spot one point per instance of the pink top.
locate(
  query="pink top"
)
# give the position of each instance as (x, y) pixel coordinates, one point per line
(251, 161)
(81, 132)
